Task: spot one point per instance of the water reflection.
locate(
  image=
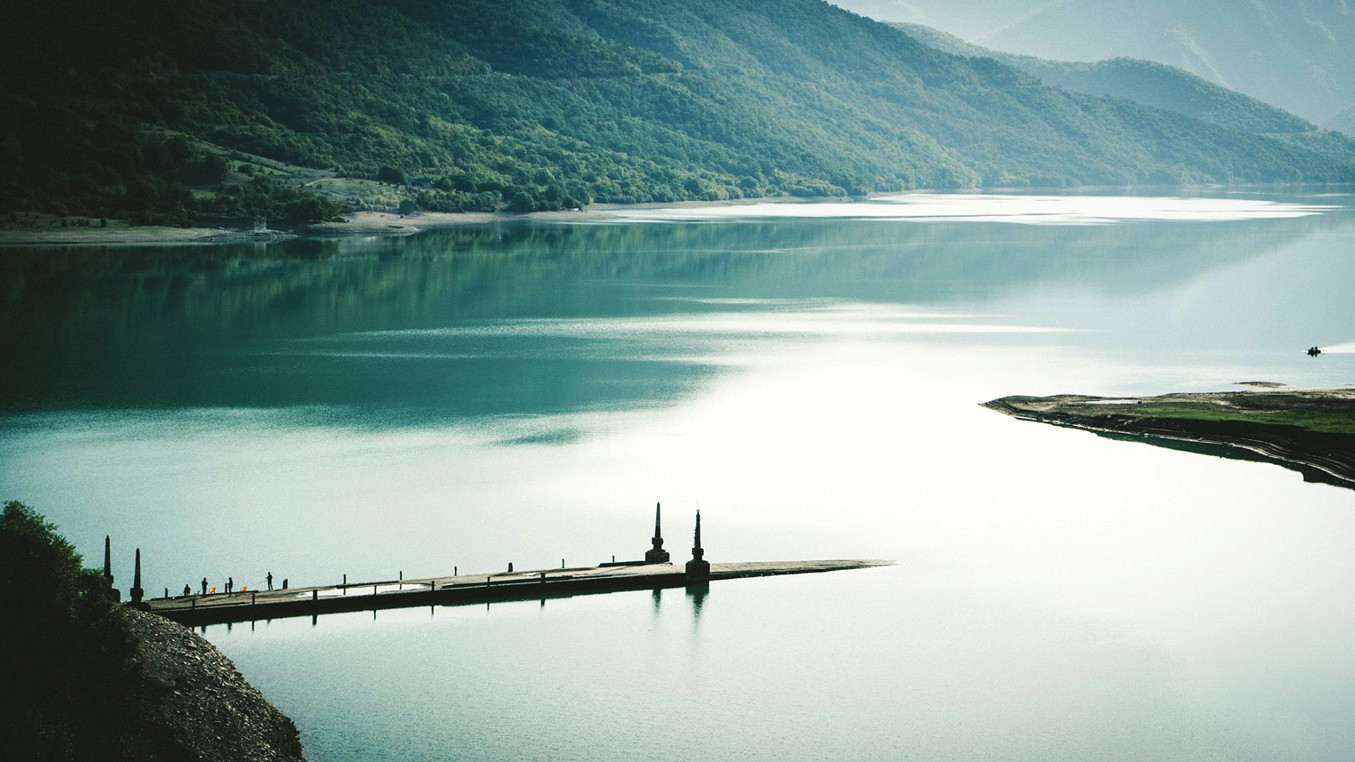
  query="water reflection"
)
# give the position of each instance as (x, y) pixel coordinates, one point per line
(526, 319)
(697, 592)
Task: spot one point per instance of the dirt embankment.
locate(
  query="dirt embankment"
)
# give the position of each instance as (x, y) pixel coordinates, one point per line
(1307, 431)
(200, 707)
(136, 235)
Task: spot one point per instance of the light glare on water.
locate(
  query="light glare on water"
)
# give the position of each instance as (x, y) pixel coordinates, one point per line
(1015, 209)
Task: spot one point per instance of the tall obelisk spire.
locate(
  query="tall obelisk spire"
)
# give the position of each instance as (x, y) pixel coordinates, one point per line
(108, 570)
(656, 554)
(137, 592)
(698, 569)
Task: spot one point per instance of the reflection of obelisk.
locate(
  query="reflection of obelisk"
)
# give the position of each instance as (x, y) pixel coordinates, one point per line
(698, 569)
(137, 592)
(656, 554)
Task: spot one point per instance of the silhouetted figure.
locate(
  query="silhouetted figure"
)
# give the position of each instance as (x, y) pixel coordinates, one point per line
(230, 584)
(656, 554)
(270, 580)
(187, 591)
(204, 585)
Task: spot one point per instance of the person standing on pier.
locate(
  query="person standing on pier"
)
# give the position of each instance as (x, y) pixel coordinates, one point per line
(270, 580)
(204, 585)
(230, 583)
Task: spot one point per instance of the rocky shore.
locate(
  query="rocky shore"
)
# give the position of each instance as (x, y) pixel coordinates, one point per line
(1309, 431)
(199, 707)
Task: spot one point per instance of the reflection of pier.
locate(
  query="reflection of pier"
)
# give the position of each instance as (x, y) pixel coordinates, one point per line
(654, 573)
(463, 589)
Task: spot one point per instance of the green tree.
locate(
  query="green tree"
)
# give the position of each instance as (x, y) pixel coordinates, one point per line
(66, 650)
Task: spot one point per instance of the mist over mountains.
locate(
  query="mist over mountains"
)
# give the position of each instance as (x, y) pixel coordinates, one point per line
(1157, 85)
(1295, 54)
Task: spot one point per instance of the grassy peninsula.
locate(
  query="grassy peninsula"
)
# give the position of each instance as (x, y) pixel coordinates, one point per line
(1309, 431)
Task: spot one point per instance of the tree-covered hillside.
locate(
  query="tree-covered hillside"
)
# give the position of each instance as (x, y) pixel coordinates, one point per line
(141, 107)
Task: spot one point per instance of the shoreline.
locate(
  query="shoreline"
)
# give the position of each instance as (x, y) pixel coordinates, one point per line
(369, 223)
(356, 224)
(1215, 423)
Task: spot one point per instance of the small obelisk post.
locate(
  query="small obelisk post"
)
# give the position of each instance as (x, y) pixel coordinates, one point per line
(656, 554)
(136, 592)
(698, 569)
(108, 569)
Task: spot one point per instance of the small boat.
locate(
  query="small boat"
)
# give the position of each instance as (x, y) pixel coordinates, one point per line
(1314, 351)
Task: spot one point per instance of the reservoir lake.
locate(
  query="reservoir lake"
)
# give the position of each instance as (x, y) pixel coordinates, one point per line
(809, 375)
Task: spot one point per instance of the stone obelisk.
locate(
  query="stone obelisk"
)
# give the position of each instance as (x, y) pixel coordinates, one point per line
(136, 592)
(698, 569)
(108, 570)
(656, 554)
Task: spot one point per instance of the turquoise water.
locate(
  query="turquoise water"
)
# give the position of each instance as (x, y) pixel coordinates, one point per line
(526, 391)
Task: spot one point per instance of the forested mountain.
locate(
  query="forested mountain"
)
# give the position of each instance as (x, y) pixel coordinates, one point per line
(122, 106)
(1295, 54)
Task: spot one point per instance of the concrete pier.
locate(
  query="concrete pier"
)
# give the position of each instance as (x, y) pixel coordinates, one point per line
(463, 589)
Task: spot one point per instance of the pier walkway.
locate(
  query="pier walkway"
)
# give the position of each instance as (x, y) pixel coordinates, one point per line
(253, 605)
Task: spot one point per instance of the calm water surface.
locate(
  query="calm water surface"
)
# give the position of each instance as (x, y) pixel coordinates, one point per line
(809, 375)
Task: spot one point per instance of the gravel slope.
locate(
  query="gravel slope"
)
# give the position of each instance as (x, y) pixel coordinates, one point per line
(201, 708)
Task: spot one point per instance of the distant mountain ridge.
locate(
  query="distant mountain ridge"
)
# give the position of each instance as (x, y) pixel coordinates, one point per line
(548, 104)
(1146, 82)
(1160, 86)
(1295, 54)
(968, 19)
